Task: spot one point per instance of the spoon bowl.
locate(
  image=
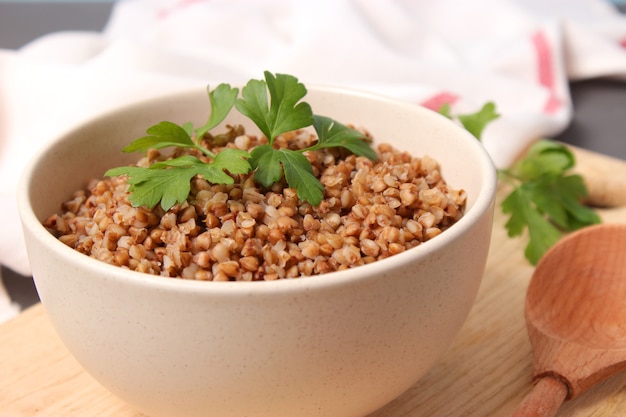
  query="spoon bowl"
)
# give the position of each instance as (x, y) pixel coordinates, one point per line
(578, 293)
(576, 317)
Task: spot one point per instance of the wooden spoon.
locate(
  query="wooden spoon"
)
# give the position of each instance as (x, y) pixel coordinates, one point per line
(576, 317)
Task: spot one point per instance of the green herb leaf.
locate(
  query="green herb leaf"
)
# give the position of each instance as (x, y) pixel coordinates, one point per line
(286, 110)
(170, 181)
(299, 175)
(559, 198)
(149, 186)
(476, 122)
(271, 164)
(542, 234)
(266, 161)
(284, 113)
(232, 160)
(222, 100)
(253, 105)
(162, 135)
(334, 134)
(545, 157)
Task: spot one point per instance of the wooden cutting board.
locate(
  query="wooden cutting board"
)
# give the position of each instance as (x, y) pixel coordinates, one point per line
(487, 372)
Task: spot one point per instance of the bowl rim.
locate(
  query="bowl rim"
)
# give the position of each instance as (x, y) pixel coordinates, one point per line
(483, 203)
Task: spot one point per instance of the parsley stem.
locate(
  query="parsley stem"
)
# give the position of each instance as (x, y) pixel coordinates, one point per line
(205, 150)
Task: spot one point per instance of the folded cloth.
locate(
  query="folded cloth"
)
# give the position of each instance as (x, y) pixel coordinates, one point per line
(520, 54)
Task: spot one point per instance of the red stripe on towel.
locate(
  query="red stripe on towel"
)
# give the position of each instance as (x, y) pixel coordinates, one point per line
(435, 102)
(545, 71)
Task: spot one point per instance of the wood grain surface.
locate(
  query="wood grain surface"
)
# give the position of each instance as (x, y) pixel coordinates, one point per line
(487, 371)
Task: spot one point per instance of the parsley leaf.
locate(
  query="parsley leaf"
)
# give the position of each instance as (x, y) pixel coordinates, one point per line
(333, 134)
(162, 135)
(559, 198)
(266, 161)
(169, 181)
(222, 100)
(150, 186)
(299, 175)
(231, 160)
(285, 111)
(543, 158)
(542, 234)
(271, 164)
(476, 122)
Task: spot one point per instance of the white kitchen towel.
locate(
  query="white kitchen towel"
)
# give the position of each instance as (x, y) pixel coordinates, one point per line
(520, 54)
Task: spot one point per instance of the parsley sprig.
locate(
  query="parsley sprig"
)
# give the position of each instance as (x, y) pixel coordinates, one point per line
(545, 198)
(169, 182)
(286, 113)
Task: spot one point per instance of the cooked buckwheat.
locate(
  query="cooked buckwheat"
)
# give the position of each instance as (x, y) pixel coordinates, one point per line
(371, 210)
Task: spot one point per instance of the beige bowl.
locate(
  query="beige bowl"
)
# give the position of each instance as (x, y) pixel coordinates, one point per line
(342, 344)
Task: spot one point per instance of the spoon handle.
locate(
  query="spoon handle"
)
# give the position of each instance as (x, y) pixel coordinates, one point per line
(543, 400)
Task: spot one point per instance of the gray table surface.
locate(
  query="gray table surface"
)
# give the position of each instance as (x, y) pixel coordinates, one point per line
(599, 105)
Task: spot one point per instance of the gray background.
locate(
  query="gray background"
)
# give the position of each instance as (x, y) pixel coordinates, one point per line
(599, 117)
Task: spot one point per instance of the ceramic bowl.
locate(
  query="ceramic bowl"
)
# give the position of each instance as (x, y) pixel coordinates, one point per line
(341, 344)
